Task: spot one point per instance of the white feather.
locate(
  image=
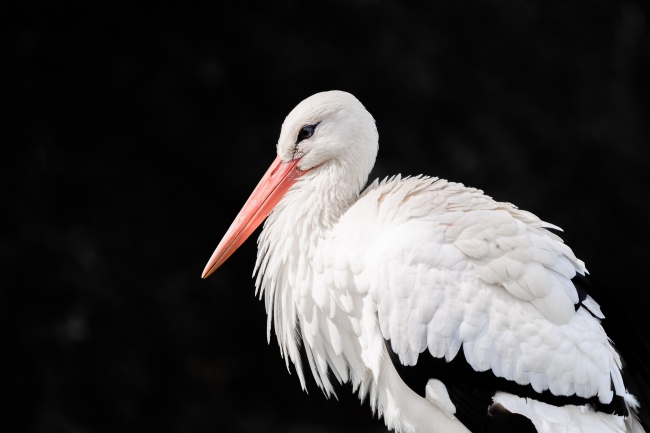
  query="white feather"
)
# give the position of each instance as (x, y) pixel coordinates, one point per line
(429, 265)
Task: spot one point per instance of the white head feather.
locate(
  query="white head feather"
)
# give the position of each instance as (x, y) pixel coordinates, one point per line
(345, 135)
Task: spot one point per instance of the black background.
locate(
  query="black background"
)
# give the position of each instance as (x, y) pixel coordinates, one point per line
(132, 135)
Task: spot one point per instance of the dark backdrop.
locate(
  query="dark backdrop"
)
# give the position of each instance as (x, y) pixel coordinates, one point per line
(132, 135)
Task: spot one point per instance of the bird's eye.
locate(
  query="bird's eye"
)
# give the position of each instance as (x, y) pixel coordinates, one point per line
(305, 132)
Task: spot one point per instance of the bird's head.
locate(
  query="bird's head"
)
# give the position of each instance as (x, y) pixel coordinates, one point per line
(329, 132)
(330, 128)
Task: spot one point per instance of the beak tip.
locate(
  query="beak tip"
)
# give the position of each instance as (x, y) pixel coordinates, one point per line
(209, 270)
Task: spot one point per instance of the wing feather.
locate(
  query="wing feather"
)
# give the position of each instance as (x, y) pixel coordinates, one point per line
(451, 270)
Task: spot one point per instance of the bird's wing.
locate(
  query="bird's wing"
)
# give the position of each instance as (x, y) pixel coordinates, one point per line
(449, 267)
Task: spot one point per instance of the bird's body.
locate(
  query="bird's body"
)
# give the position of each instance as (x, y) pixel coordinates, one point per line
(371, 283)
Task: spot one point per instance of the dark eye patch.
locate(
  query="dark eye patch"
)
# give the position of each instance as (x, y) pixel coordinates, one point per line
(305, 132)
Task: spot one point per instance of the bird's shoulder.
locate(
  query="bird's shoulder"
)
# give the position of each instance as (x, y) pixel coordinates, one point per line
(433, 224)
(397, 198)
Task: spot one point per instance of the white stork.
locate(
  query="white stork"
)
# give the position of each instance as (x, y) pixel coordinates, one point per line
(419, 273)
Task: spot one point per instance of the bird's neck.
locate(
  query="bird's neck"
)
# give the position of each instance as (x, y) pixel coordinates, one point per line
(315, 204)
(299, 222)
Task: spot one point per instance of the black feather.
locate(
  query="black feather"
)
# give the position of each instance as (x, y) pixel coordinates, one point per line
(470, 391)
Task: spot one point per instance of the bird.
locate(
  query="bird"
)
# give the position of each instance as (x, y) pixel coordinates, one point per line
(449, 311)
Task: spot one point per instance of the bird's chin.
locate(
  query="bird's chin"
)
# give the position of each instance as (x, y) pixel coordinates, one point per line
(305, 167)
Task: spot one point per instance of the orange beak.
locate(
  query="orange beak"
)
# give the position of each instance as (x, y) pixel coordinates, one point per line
(268, 192)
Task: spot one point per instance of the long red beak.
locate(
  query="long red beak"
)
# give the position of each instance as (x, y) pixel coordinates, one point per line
(275, 183)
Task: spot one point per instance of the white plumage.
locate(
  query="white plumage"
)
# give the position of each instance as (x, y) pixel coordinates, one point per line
(417, 265)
